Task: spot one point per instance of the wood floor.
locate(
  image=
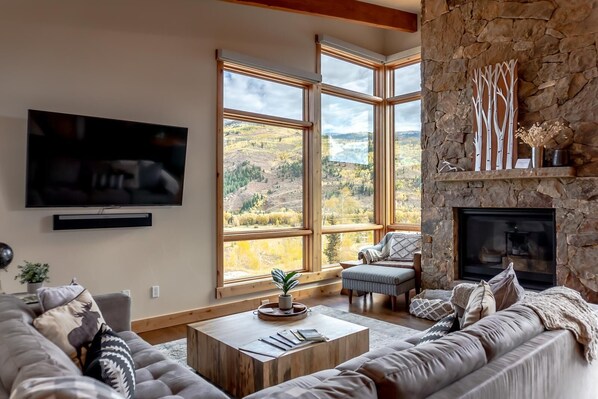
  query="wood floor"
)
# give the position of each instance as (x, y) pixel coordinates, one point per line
(377, 308)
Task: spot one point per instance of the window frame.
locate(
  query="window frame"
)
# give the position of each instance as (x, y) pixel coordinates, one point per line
(391, 101)
(377, 101)
(306, 126)
(313, 231)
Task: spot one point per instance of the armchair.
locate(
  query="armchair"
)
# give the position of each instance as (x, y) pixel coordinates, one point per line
(391, 267)
(407, 253)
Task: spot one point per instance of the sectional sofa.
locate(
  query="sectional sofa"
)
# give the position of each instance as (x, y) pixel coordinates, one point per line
(26, 355)
(506, 355)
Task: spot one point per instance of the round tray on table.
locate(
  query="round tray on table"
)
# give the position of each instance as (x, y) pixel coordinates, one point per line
(271, 312)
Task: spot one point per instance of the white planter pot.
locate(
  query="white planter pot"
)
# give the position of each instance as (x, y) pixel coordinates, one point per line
(32, 287)
(285, 302)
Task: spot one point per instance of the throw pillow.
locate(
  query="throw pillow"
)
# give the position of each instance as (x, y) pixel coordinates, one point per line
(403, 246)
(109, 360)
(506, 288)
(460, 296)
(72, 326)
(442, 328)
(52, 297)
(481, 304)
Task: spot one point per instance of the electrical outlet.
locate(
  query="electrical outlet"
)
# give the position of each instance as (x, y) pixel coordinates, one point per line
(126, 292)
(155, 291)
(265, 301)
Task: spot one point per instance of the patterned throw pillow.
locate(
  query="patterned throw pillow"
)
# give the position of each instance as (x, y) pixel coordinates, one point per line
(109, 360)
(481, 304)
(446, 325)
(72, 326)
(506, 288)
(404, 245)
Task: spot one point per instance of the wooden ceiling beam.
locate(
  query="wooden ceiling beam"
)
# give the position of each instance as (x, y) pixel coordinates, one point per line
(352, 10)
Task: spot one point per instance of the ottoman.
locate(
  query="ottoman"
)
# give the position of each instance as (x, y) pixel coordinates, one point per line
(391, 281)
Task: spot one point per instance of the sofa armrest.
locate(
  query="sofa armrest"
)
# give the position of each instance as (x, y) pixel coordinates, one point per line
(116, 309)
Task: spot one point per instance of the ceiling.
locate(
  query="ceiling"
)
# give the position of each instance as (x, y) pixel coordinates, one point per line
(413, 6)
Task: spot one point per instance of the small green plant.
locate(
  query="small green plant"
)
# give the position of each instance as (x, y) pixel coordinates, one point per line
(33, 273)
(285, 281)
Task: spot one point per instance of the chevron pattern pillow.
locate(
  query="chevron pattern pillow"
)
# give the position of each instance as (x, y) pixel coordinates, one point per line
(109, 360)
(446, 325)
(404, 245)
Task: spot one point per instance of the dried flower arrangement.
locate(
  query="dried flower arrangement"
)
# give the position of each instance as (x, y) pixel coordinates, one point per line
(538, 135)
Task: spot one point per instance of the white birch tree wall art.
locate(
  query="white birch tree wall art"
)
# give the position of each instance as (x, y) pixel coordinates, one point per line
(495, 116)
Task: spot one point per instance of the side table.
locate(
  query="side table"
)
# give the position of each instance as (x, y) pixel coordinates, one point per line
(345, 265)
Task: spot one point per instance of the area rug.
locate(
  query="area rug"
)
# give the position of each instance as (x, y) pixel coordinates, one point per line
(382, 334)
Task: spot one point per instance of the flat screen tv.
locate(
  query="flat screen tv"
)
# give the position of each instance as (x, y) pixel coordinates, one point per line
(84, 161)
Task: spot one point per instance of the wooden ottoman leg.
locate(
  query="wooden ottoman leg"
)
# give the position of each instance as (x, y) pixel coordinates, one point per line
(350, 297)
(393, 302)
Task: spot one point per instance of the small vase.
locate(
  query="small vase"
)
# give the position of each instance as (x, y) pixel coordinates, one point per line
(537, 156)
(560, 157)
(285, 302)
(32, 287)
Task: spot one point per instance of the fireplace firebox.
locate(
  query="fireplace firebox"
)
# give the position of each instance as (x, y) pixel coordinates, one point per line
(491, 238)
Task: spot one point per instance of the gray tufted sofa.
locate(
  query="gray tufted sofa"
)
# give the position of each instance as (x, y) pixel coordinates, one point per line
(26, 354)
(508, 354)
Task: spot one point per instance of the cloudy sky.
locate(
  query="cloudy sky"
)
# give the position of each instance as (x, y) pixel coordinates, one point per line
(338, 115)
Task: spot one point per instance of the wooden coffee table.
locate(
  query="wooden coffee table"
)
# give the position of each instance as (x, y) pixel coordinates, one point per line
(213, 350)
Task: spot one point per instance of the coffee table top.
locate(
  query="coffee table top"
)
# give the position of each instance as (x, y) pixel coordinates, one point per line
(240, 329)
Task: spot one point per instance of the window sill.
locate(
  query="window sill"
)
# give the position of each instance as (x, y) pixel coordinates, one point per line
(265, 284)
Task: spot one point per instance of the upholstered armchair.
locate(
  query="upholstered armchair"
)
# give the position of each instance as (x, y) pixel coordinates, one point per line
(396, 249)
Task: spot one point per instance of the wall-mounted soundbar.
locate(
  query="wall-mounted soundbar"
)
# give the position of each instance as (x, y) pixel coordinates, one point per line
(101, 221)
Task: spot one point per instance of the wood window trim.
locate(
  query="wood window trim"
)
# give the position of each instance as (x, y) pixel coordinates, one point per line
(305, 125)
(264, 284)
(392, 224)
(356, 228)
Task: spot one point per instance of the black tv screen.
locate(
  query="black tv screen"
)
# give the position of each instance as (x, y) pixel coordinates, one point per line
(75, 160)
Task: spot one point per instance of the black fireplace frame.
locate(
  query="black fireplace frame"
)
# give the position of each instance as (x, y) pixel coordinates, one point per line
(526, 279)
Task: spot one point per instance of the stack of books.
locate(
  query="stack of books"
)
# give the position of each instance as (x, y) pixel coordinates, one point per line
(277, 344)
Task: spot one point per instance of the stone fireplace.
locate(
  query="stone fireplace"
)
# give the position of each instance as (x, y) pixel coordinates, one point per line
(489, 239)
(554, 42)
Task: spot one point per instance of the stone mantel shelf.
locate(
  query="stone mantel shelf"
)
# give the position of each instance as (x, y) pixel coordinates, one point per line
(508, 174)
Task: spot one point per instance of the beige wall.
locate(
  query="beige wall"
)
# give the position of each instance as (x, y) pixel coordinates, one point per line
(141, 60)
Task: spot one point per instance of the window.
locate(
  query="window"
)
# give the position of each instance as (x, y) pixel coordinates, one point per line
(350, 136)
(310, 171)
(263, 169)
(406, 111)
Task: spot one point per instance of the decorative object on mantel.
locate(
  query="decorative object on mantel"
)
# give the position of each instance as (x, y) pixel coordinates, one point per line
(495, 115)
(537, 136)
(523, 163)
(34, 275)
(446, 166)
(560, 157)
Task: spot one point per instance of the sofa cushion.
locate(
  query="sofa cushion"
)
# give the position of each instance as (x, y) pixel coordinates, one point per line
(158, 377)
(505, 330)
(72, 326)
(109, 360)
(481, 304)
(64, 388)
(378, 274)
(24, 352)
(404, 245)
(420, 371)
(329, 384)
(506, 289)
(357, 362)
(441, 329)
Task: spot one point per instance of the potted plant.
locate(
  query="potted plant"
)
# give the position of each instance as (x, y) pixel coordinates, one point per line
(34, 274)
(285, 282)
